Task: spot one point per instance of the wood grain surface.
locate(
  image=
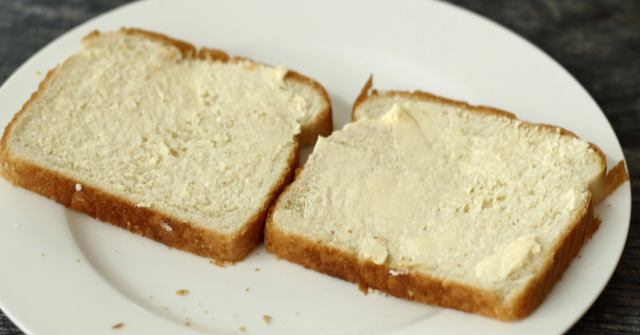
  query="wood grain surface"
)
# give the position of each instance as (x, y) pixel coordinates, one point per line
(598, 42)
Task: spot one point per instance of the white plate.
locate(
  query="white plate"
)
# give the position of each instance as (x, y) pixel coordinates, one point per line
(93, 276)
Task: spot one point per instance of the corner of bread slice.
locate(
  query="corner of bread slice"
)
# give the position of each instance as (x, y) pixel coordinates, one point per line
(315, 105)
(438, 201)
(149, 134)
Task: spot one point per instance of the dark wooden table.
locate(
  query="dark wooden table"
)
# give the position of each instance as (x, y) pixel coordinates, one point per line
(597, 41)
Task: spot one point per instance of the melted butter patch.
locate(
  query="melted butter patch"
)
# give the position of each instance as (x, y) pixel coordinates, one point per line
(574, 198)
(434, 244)
(504, 262)
(301, 104)
(407, 135)
(375, 249)
(385, 197)
(323, 144)
(280, 72)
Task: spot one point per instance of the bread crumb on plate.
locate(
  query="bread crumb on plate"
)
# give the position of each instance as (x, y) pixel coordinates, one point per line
(222, 264)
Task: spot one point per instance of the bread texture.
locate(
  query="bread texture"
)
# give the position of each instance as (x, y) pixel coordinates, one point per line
(187, 147)
(441, 202)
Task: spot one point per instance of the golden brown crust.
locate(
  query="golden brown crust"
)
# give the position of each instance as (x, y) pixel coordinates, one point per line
(212, 55)
(364, 94)
(426, 289)
(615, 177)
(122, 213)
(526, 301)
(188, 50)
(367, 93)
(5, 137)
(143, 221)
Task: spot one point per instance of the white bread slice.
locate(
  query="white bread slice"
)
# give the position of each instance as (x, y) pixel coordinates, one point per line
(186, 147)
(437, 201)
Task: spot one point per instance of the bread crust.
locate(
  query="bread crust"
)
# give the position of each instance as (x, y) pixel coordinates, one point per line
(367, 93)
(420, 287)
(151, 223)
(147, 222)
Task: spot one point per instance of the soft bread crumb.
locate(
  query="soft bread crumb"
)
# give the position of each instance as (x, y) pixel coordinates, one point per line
(182, 292)
(222, 264)
(266, 319)
(119, 325)
(373, 291)
(78, 187)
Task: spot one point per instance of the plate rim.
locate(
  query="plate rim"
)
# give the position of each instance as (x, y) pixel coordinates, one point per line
(84, 26)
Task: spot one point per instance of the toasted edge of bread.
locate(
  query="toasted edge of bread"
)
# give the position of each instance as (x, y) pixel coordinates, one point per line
(422, 288)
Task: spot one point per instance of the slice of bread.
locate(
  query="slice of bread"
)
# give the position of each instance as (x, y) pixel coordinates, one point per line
(186, 147)
(437, 201)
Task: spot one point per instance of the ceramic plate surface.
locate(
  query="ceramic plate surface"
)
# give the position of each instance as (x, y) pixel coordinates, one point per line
(65, 273)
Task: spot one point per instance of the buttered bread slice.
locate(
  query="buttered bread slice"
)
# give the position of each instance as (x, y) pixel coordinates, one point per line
(437, 201)
(186, 147)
